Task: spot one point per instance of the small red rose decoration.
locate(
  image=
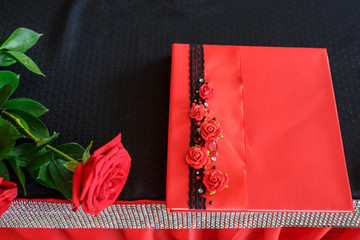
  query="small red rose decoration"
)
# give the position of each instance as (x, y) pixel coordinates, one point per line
(198, 112)
(198, 157)
(215, 180)
(210, 129)
(205, 151)
(98, 182)
(8, 192)
(206, 92)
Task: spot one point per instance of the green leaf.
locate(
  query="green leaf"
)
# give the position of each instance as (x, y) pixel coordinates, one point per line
(25, 60)
(26, 105)
(30, 155)
(36, 163)
(86, 153)
(5, 92)
(71, 166)
(72, 149)
(43, 176)
(21, 150)
(43, 142)
(5, 60)
(36, 152)
(22, 121)
(7, 150)
(7, 77)
(4, 172)
(18, 172)
(23, 154)
(21, 40)
(62, 177)
(8, 134)
(36, 127)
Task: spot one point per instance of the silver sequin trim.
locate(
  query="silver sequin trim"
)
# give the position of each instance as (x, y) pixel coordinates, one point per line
(38, 214)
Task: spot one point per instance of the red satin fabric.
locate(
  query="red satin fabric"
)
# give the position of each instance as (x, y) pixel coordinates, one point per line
(282, 146)
(198, 234)
(294, 151)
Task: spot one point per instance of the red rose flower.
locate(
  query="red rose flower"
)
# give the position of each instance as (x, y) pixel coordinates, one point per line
(98, 182)
(197, 112)
(215, 180)
(8, 192)
(198, 157)
(210, 129)
(206, 92)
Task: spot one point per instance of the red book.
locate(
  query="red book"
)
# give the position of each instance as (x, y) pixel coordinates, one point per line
(281, 147)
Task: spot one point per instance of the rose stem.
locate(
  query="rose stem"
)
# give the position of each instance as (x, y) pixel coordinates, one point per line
(35, 139)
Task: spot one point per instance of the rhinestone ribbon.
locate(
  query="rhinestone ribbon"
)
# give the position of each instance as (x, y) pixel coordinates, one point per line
(44, 214)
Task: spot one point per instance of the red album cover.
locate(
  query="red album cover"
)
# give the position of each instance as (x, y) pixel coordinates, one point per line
(254, 128)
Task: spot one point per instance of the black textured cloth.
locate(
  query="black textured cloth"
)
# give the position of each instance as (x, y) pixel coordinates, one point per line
(108, 67)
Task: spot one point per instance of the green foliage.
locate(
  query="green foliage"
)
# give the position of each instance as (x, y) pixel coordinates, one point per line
(4, 172)
(62, 177)
(5, 60)
(20, 40)
(71, 166)
(36, 126)
(7, 77)
(37, 162)
(42, 176)
(72, 149)
(26, 105)
(9, 134)
(24, 153)
(24, 60)
(6, 150)
(18, 172)
(5, 92)
(44, 142)
(86, 154)
(19, 118)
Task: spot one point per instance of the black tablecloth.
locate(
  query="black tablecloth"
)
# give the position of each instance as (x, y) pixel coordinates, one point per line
(108, 67)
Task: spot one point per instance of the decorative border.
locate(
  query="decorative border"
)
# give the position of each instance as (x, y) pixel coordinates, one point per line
(42, 214)
(197, 199)
(204, 135)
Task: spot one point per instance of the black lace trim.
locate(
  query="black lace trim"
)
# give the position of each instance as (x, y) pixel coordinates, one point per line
(197, 190)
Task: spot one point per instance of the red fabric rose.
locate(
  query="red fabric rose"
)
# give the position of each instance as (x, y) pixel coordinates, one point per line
(98, 182)
(206, 92)
(197, 112)
(210, 129)
(215, 180)
(8, 192)
(198, 157)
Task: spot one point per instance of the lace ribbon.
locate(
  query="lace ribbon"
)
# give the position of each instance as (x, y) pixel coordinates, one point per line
(197, 190)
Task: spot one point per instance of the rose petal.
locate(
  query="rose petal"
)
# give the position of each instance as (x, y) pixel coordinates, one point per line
(116, 141)
(8, 192)
(76, 185)
(104, 176)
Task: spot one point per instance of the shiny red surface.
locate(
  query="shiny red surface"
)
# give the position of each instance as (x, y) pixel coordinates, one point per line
(282, 146)
(149, 234)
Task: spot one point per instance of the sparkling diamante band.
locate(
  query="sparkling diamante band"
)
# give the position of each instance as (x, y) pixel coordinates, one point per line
(42, 214)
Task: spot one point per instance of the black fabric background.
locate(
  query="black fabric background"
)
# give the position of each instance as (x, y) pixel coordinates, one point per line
(108, 67)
